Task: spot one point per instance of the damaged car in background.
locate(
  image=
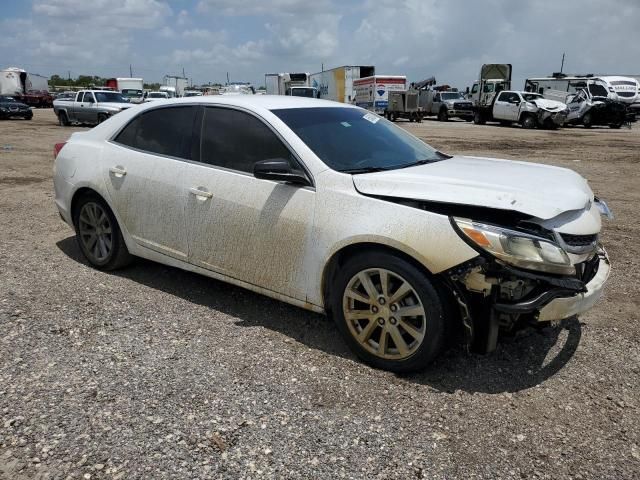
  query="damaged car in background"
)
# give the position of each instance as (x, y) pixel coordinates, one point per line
(349, 215)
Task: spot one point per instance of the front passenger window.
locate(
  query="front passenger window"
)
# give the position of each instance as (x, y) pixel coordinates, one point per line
(236, 140)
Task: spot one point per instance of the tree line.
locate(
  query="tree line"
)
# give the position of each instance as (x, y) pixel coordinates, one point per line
(84, 81)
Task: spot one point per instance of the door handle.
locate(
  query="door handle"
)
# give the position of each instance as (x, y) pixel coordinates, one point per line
(200, 193)
(118, 171)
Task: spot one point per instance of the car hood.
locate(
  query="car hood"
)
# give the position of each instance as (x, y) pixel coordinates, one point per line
(549, 104)
(13, 104)
(541, 191)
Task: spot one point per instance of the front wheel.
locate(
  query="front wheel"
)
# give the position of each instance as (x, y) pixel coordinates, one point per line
(587, 120)
(101, 118)
(63, 120)
(478, 119)
(388, 311)
(99, 235)
(443, 115)
(528, 121)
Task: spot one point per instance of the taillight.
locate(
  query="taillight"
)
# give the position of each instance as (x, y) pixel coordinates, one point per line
(56, 149)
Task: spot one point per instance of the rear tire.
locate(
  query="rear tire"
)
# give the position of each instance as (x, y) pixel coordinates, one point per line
(101, 118)
(389, 340)
(478, 119)
(98, 234)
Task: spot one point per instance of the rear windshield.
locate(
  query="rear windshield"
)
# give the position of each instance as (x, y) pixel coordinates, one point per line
(598, 90)
(108, 97)
(353, 140)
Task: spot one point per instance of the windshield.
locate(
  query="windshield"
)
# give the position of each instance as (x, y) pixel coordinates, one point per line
(131, 92)
(110, 97)
(531, 96)
(598, 90)
(353, 140)
(303, 92)
(451, 96)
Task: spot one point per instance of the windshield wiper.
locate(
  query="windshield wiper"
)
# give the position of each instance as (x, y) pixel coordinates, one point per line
(365, 170)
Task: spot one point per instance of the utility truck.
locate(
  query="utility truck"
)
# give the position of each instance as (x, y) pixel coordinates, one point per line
(337, 84)
(372, 92)
(294, 84)
(446, 103)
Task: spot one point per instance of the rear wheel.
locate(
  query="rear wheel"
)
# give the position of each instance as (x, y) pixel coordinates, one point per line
(388, 311)
(478, 119)
(99, 235)
(101, 117)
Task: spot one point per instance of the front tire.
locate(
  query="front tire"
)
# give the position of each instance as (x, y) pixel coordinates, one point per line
(101, 118)
(478, 119)
(388, 311)
(528, 121)
(63, 120)
(443, 115)
(98, 234)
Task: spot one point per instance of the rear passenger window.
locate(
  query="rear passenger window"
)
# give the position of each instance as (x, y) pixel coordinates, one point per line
(166, 131)
(237, 140)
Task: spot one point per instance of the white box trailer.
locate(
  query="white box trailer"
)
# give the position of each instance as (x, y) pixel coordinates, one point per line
(16, 81)
(179, 83)
(337, 84)
(372, 92)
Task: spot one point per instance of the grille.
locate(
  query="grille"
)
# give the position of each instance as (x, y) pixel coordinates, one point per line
(579, 240)
(462, 106)
(585, 271)
(626, 94)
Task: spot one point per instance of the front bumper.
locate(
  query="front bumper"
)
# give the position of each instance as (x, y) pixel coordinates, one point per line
(460, 113)
(16, 113)
(565, 307)
(558, 118)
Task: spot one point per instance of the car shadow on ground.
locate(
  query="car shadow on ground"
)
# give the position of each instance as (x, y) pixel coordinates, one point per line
(520, 362)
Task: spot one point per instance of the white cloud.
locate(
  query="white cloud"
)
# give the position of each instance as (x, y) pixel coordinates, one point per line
(270, 7)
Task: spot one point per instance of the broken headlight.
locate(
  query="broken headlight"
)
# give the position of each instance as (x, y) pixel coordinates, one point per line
(517, 248)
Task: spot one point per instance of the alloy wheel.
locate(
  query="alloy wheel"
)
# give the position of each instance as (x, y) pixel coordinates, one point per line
(95, 231)
(384, 314)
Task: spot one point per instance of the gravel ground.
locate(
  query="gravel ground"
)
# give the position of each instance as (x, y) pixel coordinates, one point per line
(151, 372)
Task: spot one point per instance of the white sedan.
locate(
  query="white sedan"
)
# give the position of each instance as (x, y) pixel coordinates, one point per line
(334, 209)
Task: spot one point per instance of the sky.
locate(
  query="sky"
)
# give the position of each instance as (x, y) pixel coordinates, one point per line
(448, 39)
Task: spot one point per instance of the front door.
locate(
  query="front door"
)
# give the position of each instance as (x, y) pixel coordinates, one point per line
(253, 230)
(144, 168)
(86, 109)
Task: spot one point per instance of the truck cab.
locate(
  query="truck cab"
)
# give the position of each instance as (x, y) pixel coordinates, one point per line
(446, 104)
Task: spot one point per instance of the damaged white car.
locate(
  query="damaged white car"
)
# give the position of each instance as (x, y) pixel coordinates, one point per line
(529, 109)
(334, 209)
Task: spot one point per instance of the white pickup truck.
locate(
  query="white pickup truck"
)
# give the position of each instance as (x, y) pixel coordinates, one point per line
(90, 106)
(528, 109)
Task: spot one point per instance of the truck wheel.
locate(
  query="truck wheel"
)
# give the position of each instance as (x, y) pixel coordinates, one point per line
(477, 119)
(443, 115)
(63, 120)
(528, 121)
(390, 313)
(101, 118)
(394, 116)
(587, 120)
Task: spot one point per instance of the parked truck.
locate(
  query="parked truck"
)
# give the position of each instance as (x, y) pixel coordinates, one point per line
(446, 103)
(90, 106)
(337, 84)
(28, 88)
(493, 100)
(179, 85)
(294, 84)
(132, 88)
(372, 92)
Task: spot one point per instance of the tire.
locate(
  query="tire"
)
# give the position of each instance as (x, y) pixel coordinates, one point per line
(423, 337)
(394, 116)
(63, 120)
(101, 118)
(29, 117)
(104, 250)
(477, 119)
(528, 121)
(587, 120)
(616, 125)
(443, 115)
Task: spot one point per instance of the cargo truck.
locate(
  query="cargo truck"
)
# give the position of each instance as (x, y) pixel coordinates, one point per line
(337, 84)
(179, 84)
(294, 84)
(372, 92)
(131, 88)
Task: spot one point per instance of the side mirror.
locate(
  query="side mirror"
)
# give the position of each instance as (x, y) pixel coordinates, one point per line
(278, 169)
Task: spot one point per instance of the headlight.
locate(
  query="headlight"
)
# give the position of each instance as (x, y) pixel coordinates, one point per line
(517, 248)
(4, 109)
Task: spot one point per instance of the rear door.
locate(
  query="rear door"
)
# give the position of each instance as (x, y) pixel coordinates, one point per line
(144, 168)
(257, 231)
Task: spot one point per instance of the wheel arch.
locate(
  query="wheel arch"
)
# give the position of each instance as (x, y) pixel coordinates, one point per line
(342, 255)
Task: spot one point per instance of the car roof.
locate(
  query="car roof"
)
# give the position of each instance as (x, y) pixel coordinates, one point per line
(267, 102)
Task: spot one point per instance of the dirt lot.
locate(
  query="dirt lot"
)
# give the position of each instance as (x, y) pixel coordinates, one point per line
(152, 372)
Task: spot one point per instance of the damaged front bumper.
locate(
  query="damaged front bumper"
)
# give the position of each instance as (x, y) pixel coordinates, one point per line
(557, 118)
(565, 307)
